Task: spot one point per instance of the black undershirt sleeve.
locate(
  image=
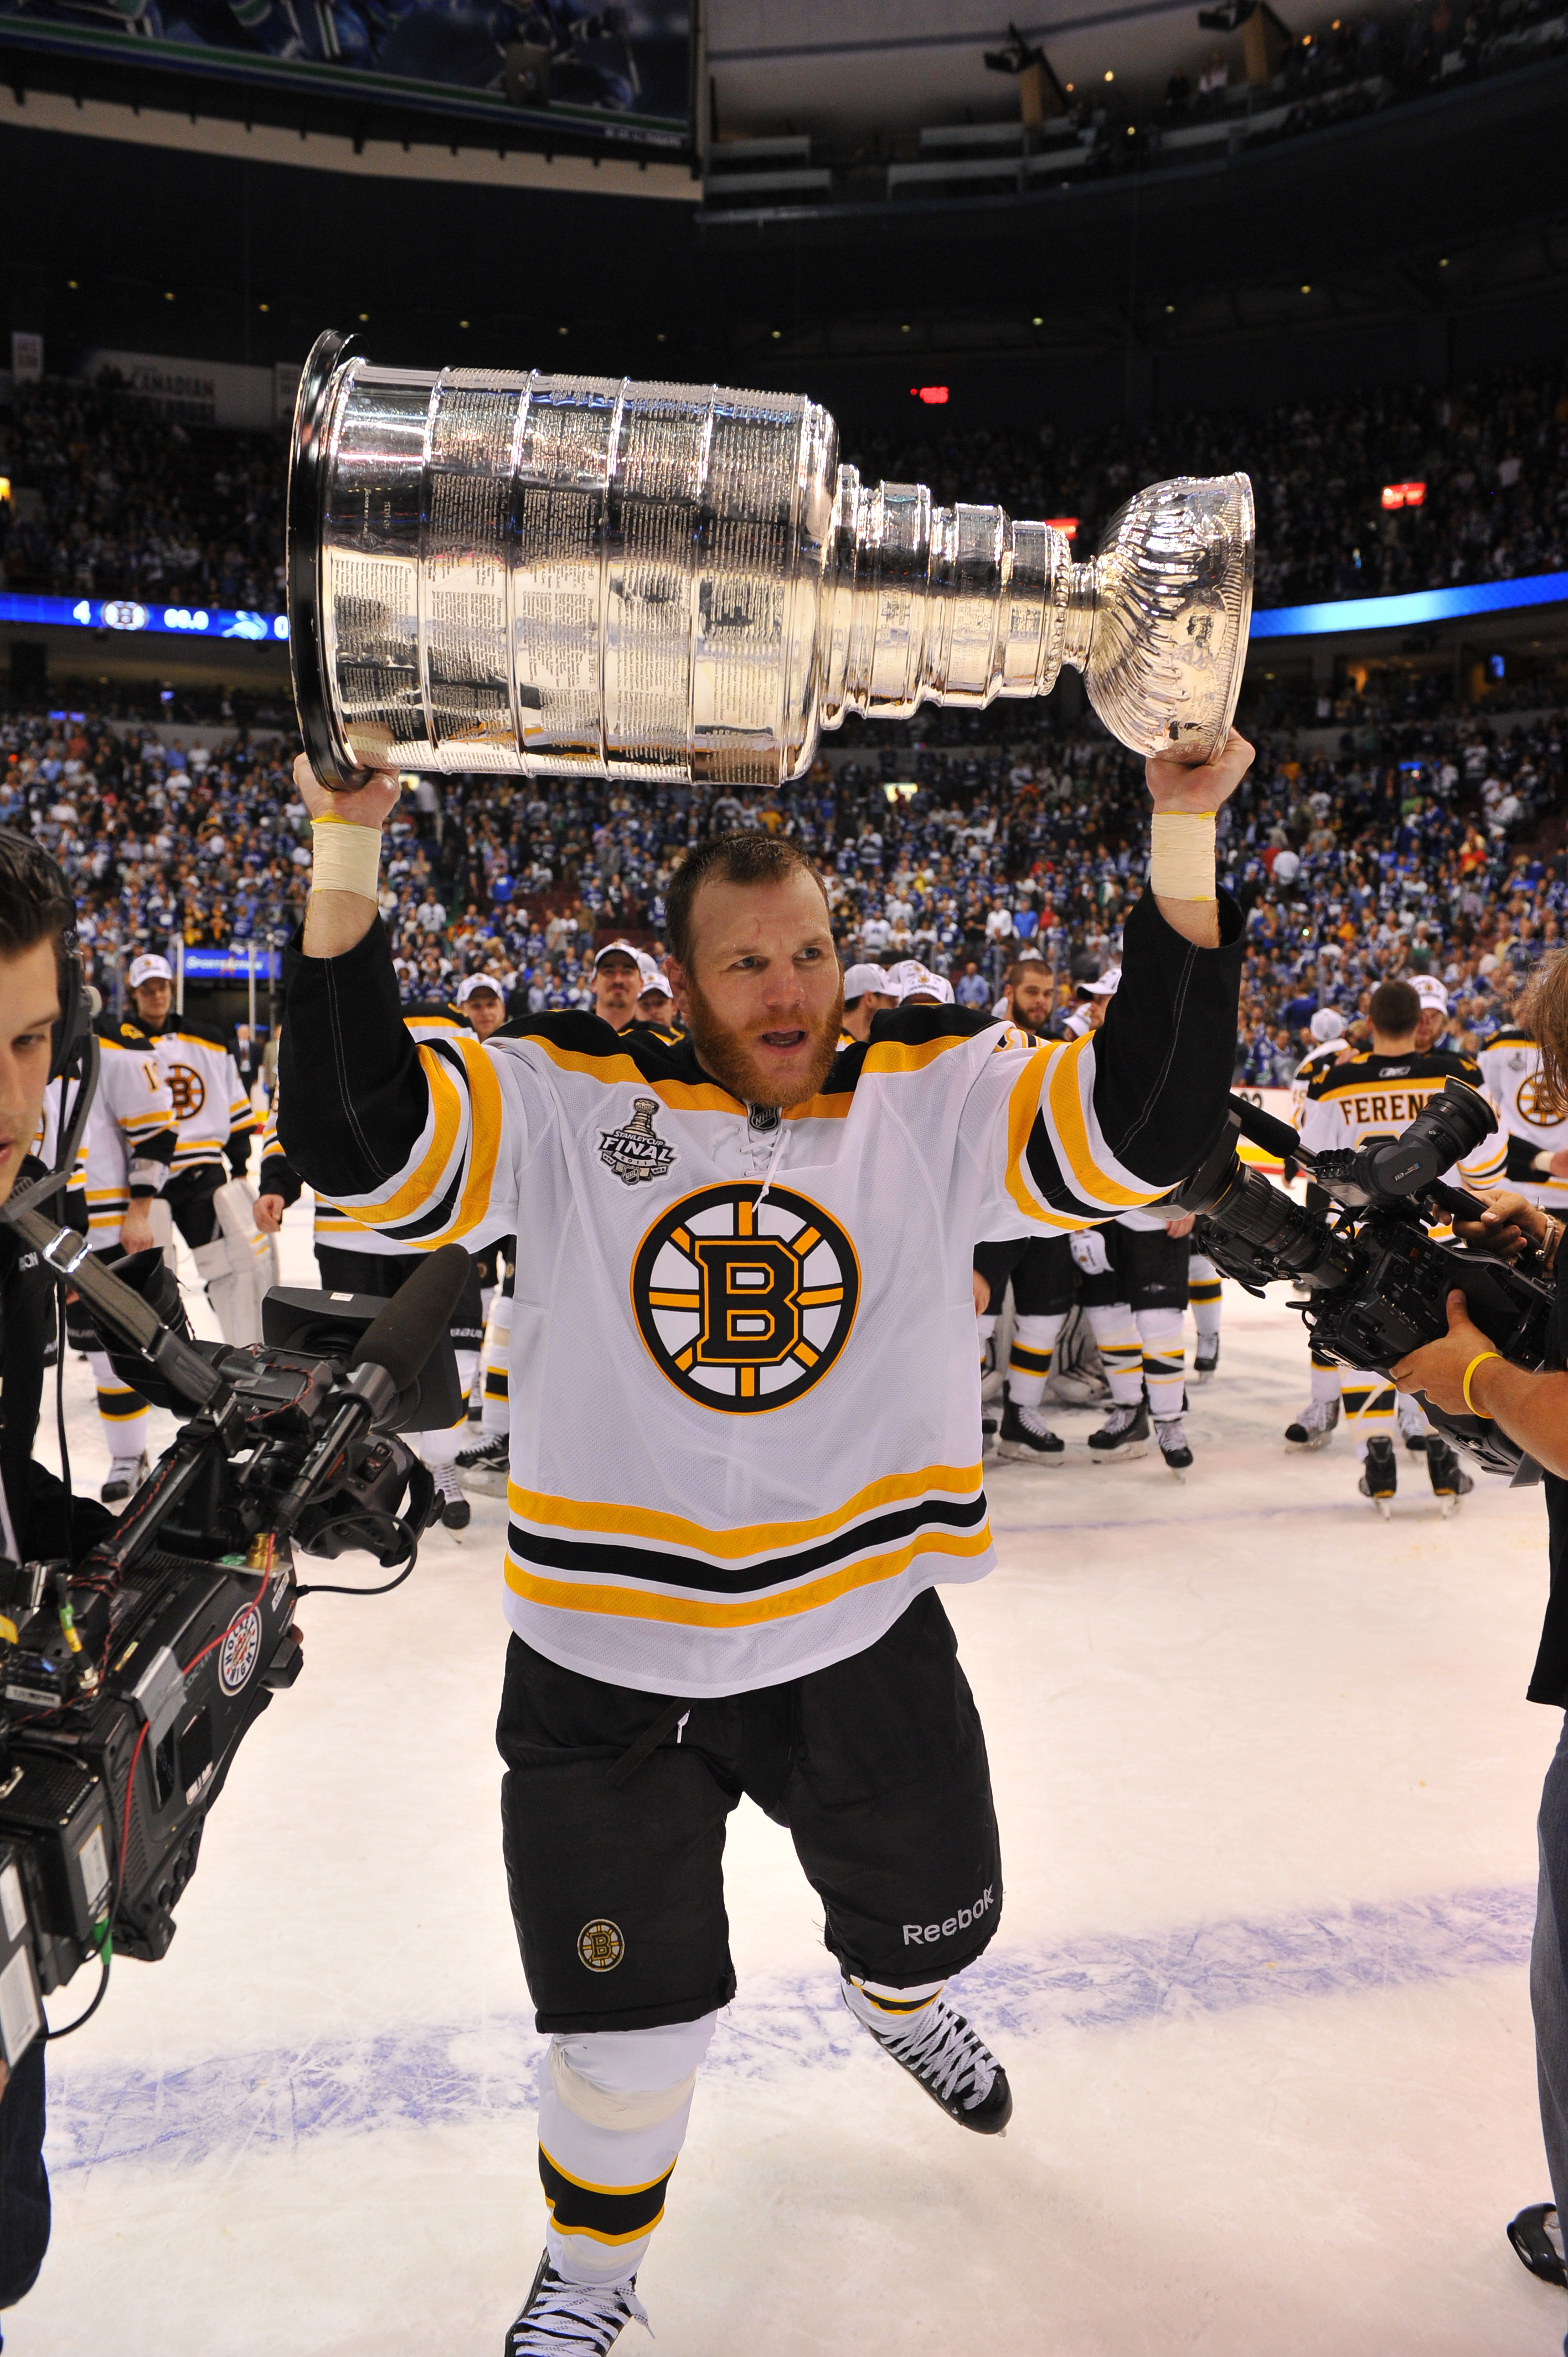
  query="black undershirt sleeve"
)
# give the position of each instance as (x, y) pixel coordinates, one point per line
(353, 1098)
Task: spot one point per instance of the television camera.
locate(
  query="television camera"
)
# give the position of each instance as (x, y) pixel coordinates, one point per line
(1376, 1281)
(130, 1678)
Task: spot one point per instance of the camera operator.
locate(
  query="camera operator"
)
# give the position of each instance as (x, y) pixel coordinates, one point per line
(38, 1517)
(1464, 1372)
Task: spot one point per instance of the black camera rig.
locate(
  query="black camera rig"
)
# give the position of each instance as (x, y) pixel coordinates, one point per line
(131, 1678)
(1377, 1283)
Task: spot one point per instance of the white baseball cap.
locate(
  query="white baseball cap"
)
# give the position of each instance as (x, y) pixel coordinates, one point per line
(623, 949)
(917, 980)
(1326, 1025)
(1108, 984)
(652, 972)
(149, 969)
(859, 979)
(1430, 991)
(472, 982)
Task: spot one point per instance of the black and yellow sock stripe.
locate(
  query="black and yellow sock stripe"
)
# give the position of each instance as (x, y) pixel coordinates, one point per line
(609, 2213)
(1202, 1289)
(118, 1407)
(496, 1384)
(1022, 1360)
(1165, 1364)
(1369, 1399)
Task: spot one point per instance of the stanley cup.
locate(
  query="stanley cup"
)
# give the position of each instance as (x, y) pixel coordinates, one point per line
(560, 577)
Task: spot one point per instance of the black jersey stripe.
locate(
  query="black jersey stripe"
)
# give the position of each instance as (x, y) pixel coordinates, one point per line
(624, 1558)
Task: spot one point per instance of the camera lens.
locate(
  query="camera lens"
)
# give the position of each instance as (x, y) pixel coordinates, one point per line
(1452, 1126)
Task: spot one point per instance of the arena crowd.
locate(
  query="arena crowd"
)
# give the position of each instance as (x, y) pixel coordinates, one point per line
(956, 838)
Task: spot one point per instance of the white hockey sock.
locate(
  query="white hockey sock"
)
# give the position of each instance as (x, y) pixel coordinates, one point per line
(883, 2008)
(1121, 1351)
(1369, 1402)
(496, 1414)
(1203, 1296)
(1164, 1359)
(1325, 1379)
(613, 2109)
(1029, 1359)
(123, 1411)
(467, 1368)
(439, 1449)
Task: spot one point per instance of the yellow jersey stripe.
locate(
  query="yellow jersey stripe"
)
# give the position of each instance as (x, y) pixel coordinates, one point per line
(758, 1538)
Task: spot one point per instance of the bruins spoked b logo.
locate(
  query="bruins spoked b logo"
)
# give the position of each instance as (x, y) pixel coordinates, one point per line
(744, 1310)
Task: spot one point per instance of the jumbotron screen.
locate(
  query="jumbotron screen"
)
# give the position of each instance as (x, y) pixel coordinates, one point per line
(621, 72)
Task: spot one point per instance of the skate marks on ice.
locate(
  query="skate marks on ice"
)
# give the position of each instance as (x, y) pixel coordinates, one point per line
(422, 2076)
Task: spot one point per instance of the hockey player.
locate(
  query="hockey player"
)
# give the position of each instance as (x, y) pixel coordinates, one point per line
(1376, 1095)
(1314, 1426)
(1132, 1283)
(215, 1123)
(1537, 1147)
(129, 1146)
(720, 1574)
(1040, 1270)
(866, 993)
(482, 998)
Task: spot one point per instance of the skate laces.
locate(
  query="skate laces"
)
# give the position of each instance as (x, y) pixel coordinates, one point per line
(1033, 1421)
(447, 1481)
(940, 2048)
(566, 2316)
(1170, 1432)
(1120, 1418)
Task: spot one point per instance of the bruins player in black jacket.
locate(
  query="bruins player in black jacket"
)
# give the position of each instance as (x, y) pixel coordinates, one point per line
(1376, 1095)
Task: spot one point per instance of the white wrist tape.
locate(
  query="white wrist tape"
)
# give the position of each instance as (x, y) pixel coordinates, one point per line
(1181, 865)
(347, 859)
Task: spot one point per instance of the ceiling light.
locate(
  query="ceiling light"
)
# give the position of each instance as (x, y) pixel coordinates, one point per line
(168, 298)
(1109, 75)
(1306, 290)
(1169, 308)
(462, 323)
(264, 306)
(71, 284)
(1036, 323)
(364, 319)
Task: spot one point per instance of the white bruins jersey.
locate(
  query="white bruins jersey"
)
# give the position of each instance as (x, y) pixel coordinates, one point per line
(211, 1104)
(130, 1136)
(745, 1406)
(1510, 1064)
(1372, 1095)
(1312, 1063)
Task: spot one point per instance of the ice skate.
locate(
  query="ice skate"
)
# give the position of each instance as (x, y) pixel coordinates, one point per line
(1124, 1435)
(1312, 1427)
(957, 2070)
(125, 1474)
(1027, 1438)
(1380, 1478)
(1171, 1434)
(1450, 1482)
(1206, 1358)
(482, 1466)
(455, 1510)
(563, 2319)
(1537, 2238)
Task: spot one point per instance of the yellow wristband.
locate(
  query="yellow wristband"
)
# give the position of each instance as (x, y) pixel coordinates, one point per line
(1480, 1360)
(1181, 855)
(345, 857)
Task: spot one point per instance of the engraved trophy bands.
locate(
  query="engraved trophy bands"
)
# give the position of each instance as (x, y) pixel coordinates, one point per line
(569, 575)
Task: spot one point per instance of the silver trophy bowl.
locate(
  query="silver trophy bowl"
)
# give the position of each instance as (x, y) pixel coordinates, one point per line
(558, 576)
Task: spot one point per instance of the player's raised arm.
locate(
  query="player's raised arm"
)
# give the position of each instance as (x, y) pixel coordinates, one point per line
(1113, 1120)
(404, 1138)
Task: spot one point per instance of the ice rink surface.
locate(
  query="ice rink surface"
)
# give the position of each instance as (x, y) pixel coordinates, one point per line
(1267, 1783)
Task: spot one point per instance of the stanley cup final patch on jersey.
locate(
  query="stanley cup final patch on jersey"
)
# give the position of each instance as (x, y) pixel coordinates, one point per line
(637, 1153)
(745, 1310)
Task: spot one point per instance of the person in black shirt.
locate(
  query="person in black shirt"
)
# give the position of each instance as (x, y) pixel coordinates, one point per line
(1464, 1372)
(39, 1516)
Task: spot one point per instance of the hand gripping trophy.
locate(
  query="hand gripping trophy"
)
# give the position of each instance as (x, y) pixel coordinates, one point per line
(564, 576)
